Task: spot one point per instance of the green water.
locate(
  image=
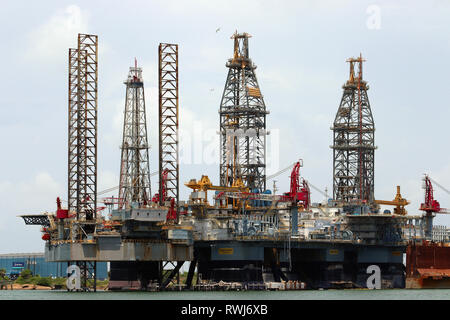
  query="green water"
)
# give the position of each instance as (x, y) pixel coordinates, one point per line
(391, 294)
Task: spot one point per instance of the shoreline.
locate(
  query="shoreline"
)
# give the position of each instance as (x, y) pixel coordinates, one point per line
(30, 286)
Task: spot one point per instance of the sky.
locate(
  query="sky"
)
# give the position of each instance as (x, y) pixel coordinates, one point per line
(300, 49)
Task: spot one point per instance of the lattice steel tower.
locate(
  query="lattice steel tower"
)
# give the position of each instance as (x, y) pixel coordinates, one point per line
(354, 144)
(82, 143)
(242, 122)
(168, 122)
(134, 184)
(82, 140)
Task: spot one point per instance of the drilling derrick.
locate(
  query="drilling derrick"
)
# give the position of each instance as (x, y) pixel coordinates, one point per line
(242, 122)
(353, 148)
(82, 155)
(168, 123)
(134, 170)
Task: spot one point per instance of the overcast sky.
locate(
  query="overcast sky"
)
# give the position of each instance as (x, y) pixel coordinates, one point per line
(299, 47)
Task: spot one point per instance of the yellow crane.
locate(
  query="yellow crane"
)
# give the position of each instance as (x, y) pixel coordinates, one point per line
(399, 202)
(204, 184)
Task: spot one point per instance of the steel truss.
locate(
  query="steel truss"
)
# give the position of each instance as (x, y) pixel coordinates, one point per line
(354, 144)
(134, 170)
(242, 122)
(41, 220)
(82, 134)
(168, 122)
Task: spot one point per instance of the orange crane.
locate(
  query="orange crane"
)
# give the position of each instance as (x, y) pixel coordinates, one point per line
(204, 184)
(399, 202)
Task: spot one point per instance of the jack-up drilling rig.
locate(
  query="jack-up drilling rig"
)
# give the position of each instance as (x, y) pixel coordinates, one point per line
(78, 223)
(250, 235)
(139, 237)
(145, 218)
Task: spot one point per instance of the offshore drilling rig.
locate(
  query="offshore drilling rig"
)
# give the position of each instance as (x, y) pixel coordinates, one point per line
(247, 235)
(138, 236)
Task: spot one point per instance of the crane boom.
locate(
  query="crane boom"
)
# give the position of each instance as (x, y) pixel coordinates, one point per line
(434, 181)
(317, 189)
(276, 174)
(117, 187)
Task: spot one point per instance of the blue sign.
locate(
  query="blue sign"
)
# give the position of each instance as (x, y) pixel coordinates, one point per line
(18, 264)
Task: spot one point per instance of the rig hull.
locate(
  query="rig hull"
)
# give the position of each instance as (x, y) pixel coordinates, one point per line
(319, 264)
(119, 251)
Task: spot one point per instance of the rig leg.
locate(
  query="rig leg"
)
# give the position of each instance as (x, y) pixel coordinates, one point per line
(278, 274)
(190, 275)
(172, 274)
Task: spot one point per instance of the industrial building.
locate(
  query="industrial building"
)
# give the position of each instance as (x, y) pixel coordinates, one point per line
(15, 263)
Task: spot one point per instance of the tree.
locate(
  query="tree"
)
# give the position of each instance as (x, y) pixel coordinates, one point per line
(2, 273)
(44, 281)
(26, 274)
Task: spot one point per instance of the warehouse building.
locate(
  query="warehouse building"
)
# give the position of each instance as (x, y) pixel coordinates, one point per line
(14, 263)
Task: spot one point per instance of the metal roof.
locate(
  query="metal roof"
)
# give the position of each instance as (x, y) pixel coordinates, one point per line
(18, 255)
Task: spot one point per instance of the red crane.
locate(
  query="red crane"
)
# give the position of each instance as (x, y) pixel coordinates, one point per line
(171, 212)
(430, 206)
(299, 191)
(164, 175)
(60, 212)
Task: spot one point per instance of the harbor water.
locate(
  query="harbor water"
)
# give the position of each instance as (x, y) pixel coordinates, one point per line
(390, 294)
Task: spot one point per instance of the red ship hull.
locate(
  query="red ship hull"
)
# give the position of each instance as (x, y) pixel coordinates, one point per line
(428, 266)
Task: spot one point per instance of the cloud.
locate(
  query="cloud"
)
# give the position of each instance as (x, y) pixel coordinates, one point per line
(249, 10)
(50, 40)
